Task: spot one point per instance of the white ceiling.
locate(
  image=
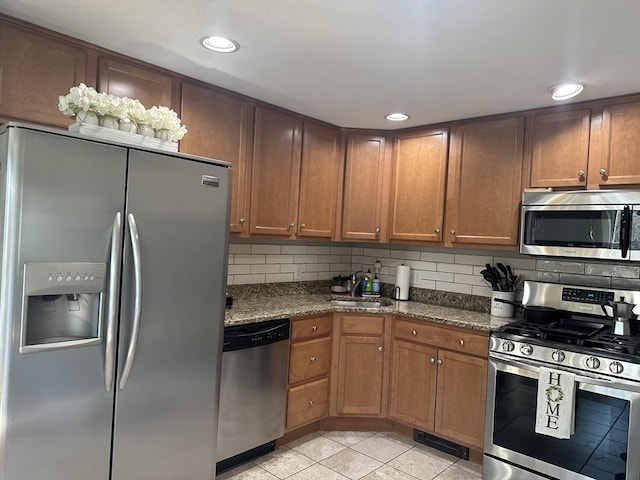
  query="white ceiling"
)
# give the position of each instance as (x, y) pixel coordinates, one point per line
(350, 62)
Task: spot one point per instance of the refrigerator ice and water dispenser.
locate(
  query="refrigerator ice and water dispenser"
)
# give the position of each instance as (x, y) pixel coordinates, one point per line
(62, 305)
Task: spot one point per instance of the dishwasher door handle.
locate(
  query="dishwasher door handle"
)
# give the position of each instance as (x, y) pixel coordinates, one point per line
(255, 332)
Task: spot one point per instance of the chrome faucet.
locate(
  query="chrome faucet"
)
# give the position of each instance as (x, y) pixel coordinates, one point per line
(356, 278)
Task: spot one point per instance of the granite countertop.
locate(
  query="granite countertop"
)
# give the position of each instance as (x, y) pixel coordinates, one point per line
(262, 308)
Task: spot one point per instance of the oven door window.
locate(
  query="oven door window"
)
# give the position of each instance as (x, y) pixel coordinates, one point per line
(598, 449)
(573, 228)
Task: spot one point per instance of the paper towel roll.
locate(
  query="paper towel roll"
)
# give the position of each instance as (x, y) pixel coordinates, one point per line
(401, 289)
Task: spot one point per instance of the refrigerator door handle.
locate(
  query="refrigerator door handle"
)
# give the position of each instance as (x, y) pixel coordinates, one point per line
(115, 260)
(137, 310)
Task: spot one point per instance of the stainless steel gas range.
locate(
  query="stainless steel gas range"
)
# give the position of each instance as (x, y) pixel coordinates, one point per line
(578, 340)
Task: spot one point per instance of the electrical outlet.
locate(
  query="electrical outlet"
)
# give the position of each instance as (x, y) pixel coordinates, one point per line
(417, 277)
(299, 270)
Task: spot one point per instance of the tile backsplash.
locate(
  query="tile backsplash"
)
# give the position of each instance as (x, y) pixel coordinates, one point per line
(440, 269)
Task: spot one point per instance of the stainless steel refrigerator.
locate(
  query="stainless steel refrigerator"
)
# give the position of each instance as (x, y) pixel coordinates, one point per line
(114, 262)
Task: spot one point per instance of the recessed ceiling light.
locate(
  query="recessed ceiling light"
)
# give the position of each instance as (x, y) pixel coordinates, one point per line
(565, 91)
(397, 117)
(219, 44)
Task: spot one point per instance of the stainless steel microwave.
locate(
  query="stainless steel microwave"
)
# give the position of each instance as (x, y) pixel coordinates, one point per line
(596, 224)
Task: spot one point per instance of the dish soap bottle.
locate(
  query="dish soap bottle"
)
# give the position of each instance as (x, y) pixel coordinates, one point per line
(375, 287)
(369, 285)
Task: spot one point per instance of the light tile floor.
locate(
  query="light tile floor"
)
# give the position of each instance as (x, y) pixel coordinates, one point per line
(354, 456)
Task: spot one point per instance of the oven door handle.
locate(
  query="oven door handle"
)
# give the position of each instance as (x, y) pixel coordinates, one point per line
(625, 231)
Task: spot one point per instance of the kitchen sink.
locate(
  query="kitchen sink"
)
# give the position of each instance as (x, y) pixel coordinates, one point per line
(361, 302)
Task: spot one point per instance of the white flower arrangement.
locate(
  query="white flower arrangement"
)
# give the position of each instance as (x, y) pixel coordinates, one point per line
(84, 99)
(132, 110)
(164, 118)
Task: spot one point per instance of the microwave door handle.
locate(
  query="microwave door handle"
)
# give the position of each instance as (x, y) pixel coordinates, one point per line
(625, 231)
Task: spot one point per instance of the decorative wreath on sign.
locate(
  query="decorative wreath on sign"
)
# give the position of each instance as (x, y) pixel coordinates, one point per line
(554, 394)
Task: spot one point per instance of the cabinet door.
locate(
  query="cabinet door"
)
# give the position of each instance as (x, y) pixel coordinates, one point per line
(123, 79)
(34, 71)
(275, 173)
(485, 182)
(360, 376)
(417, 192)
(619, 161)
(363, 187)
(218, 127)
(560, 148)
(412, 398)
(319, 174)
(461, 397)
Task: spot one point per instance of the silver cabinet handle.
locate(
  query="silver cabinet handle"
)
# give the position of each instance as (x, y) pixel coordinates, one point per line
(314, 328)
(313, 359)
(452, 232)
(414, 333)
(115, 259)
(377, 231)
(242, 220)
(311, 403)
(439, 362)
(291, 225)
(461, 342)
(603, 172)
(581, 174)
(437, 230)
(302, 225)
(380, 348)
(432, 360)
(137, 309)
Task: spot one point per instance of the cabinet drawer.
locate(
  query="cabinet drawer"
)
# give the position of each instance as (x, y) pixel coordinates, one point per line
(309, 359)
(362, 324)
(450, 338)
(307, 402)
(313, 327)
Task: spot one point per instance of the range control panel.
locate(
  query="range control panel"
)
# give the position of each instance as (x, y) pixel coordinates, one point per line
(583, 295)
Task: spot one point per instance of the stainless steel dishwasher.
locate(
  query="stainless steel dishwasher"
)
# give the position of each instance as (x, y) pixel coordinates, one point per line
(253, 390)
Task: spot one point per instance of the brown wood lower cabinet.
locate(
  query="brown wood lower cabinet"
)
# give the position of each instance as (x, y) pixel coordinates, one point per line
(360, 366)
(309, 365)
(307, 402)
(434, 388)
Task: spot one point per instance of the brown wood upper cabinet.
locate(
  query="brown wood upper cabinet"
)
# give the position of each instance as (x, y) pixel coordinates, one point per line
(418, 186)
(124, 79)
(218, 125)
(560, 148)
(294, 176)
(365, 188)
(485, 182)
(616, 159)
(34, 70)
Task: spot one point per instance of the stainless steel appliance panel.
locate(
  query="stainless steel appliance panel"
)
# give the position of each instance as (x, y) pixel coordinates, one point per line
(165, 414)
(59, 199)
(253, 397)
(607, 421)
(598, 224)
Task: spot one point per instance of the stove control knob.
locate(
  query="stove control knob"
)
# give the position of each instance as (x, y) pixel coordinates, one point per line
(592, 363)
(526, 349)
(558, 356)
(508, 346)
(616, 367)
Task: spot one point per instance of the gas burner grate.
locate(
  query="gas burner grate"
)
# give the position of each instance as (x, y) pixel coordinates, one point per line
(611, 342)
